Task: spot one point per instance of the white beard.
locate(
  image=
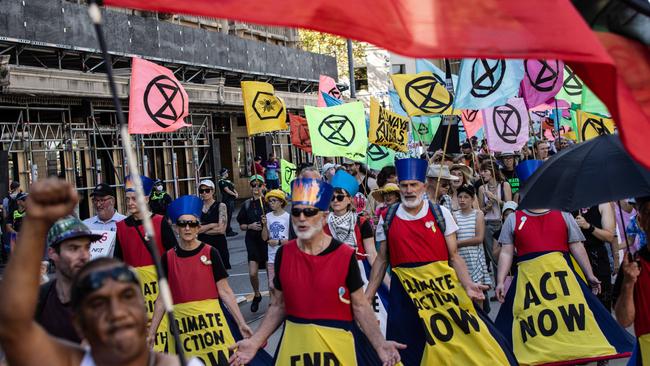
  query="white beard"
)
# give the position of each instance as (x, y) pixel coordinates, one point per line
(306, 235)
(413, 203)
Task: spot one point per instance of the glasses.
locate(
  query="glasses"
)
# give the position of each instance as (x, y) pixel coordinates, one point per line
(256, 185)
(338, 197)
(101, 200)
(192, 224)
(202, 191)
(308, 211)
(96, 280)
(273, 200)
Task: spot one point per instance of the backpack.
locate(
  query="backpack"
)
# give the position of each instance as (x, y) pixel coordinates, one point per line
(435, 210)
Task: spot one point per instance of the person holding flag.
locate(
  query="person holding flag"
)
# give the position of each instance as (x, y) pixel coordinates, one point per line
(199, 285)
(131, 247)
(321, 312)
(431, 308)
(275, 229)
(550, 314)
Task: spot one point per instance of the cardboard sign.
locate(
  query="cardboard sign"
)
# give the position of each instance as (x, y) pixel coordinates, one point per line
(103, 247)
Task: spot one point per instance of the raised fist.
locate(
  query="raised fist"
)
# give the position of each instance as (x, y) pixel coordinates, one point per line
(50, 199)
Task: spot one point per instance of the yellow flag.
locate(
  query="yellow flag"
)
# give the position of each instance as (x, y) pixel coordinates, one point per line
(264, 111)
(592, 125)
(423, 94)
(388, 128)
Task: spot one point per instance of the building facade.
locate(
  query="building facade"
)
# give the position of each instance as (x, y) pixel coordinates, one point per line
(56, 114)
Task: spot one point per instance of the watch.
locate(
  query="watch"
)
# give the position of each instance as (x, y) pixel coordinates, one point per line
(591, 229)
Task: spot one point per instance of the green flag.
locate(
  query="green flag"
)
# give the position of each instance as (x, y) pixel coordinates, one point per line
(288, 174)
(572, 86)
(591, 103)
(380, 156)
(338, 131)
(423, 129)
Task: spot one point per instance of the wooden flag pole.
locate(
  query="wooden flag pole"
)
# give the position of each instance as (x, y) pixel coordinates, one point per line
(449, 84)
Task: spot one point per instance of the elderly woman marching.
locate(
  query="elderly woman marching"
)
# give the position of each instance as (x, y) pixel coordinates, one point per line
(199, 286)
(344, 225)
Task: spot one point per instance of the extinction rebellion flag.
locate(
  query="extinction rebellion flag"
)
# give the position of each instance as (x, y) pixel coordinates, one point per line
(264, 111)
(338, 131)
(299, 132)
(157, 101)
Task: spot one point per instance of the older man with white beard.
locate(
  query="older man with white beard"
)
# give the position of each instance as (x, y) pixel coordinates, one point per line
(430, 303)
(319, 296)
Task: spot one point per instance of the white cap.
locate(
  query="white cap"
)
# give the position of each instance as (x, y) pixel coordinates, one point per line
(441, 172)
(509, 205)
(207, 183)
(328, 166)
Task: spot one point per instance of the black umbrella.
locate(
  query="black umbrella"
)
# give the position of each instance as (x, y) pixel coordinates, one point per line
(597, 171)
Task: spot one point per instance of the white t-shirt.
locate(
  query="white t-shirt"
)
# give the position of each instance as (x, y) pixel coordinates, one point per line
(94, 223)
(450, 224)
(278, 228)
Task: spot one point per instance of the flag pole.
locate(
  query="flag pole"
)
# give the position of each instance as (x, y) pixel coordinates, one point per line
(449, 84)
(163, 285)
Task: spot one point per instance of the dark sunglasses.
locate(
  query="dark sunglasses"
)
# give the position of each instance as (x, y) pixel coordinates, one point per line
(256, 185)
(308, 211)
(205, 190)
(338, 197)
(96, 280)
(191, 224)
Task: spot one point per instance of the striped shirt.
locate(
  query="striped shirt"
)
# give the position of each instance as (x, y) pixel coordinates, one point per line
(474, 256)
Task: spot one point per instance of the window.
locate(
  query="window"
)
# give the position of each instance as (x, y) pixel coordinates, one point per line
(244, 157)
(398, 69)
(361, 78)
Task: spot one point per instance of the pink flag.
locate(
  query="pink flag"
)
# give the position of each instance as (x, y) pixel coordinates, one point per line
(472, 121)
(157, 101)
(327, 85)
(542, 81)
(506, 126)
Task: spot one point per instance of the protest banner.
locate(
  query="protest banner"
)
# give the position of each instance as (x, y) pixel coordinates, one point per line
(423, 94)
(506, 127)
(485, 83)
(264, 111)
(387, 128)
(287, 174)
(591, 125)
(338, 131)
(542, 81)
(104, 246)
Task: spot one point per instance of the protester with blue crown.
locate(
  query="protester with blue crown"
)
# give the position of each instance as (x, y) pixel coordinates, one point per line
(199, 285)
(550, 313)
(130, 246)
(320, 310)
(430, 307)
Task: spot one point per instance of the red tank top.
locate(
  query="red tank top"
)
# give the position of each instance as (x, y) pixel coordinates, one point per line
(642, 300)
(189, 278)
(361, 249)
(542, 233)
(134, 252)
(311, 283)
(415, 241)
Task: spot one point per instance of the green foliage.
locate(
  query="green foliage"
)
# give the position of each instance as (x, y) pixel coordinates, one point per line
(329, 44)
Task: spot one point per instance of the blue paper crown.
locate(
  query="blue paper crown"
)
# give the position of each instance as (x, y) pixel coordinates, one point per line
(346, 182)
(185, 205)
(526, 169)
(311, 192)
(147, 184)
(411, 169)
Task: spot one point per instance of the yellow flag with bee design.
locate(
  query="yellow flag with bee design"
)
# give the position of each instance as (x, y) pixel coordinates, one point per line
(264, 111)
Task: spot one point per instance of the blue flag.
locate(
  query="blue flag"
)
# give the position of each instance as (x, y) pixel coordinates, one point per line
(422, 65)
(330, 101)
(396, 103)
(486, 83)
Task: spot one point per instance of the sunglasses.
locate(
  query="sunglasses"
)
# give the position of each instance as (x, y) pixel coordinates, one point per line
(338, 197)
(201, 191)
(308, 211)
(96, 280)
(191, 224)
(256, 185)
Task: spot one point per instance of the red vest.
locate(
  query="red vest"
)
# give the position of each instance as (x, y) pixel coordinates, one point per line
(134, 252)
(414, 242)
(310, 283)
(361, 249)
(189, 278)
(642, 300)
(541, 233)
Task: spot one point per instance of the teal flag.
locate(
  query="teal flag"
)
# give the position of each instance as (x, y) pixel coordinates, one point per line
(422, 65)
(591, 103)
(485, 83)
(425, 129)
(380, 156)
(338, 131)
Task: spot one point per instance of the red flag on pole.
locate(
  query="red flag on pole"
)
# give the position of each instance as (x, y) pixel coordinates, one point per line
(466, 29)
(157, 100)
(299, 133)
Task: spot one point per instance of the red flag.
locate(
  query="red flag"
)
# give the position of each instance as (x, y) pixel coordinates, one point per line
(472, 121)
(327, 85)
(299, 133)
(464, 29)
(157, 101)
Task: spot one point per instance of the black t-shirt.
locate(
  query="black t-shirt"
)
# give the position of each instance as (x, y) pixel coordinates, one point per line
(218, 270)
(212, 217)
(223, 184)
(168, 236)
(251, 211)
(353, 281)
(159, 204)
(55, 317)
(366, 230)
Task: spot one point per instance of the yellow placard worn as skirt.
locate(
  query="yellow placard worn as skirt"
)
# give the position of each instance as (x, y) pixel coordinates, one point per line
(149, 287)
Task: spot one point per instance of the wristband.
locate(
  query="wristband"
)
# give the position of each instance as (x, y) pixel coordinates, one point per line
(591, 229)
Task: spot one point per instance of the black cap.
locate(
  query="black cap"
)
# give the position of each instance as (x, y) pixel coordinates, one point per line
(466, 145)
(258, 158)
(21, 196)
(223, 171)
(102, 189)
